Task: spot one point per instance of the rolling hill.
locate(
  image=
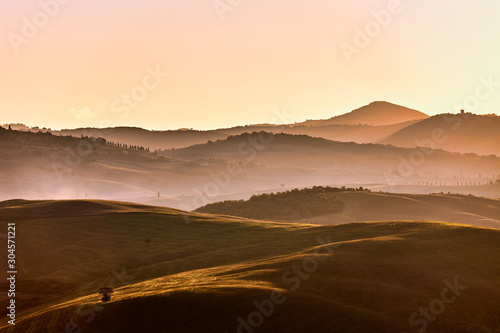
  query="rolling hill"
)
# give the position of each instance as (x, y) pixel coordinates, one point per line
(341, 132)
(153, 139)
(177, 271)
(368, 124)
(378, 113)
(464, 133)
(42, 165)
(359, 205)
(285, 206)
(187, 137)
(47, 166)
(344, 162)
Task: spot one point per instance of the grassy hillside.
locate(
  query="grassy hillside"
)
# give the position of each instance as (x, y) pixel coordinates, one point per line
(207, 273)
(288, 205)
(351, 205)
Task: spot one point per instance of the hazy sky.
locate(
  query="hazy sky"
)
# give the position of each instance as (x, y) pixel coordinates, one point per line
(92, 62)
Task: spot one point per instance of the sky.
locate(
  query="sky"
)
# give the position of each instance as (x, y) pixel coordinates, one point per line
(219, 63)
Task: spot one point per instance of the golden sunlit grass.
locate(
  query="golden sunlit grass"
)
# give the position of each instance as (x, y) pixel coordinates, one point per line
(202, 275)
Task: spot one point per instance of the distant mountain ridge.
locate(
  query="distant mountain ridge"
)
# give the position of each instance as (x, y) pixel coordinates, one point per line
(56, 166)
(368, 124)
(377, 113)
(377, 122)
(463, 133)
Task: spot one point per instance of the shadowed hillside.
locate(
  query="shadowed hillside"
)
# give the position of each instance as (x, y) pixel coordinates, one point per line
(154, 139)
(216, 274)
(342, 132)
(464, 133)
(43, 165)
(356, 205)
(360, 133)
(288, 206)
(46, 166)
(344, 162)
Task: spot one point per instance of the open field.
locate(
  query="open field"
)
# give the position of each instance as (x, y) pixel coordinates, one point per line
(177, 271)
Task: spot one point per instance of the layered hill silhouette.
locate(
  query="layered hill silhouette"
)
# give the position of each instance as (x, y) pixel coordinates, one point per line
(327, 205)
(377, 162)
(378, 113)
(368, 124)
(464, 133)
(340, 132)
(377, 122)
(360, 133)
(153, 139)
(185, 272)
(43, 165)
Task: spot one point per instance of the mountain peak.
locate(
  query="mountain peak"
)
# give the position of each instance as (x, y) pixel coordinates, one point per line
(377, 113)
(381, 102)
